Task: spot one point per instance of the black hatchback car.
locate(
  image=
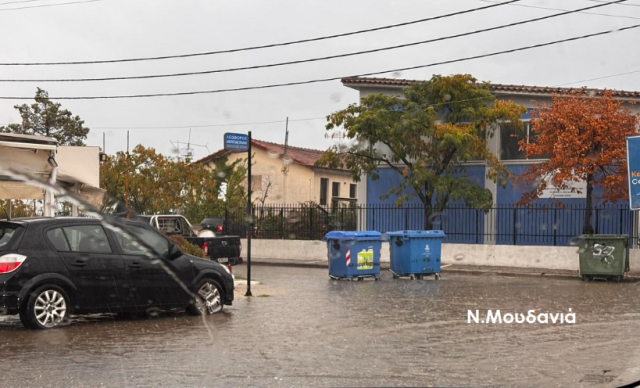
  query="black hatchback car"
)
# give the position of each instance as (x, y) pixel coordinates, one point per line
(51, 268)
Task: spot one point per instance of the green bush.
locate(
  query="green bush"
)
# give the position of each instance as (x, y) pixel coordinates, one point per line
(187, 247)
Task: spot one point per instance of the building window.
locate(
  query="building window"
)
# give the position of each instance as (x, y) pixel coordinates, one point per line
(335, 189)
(509, 139)
(352, 191)
(324, 186)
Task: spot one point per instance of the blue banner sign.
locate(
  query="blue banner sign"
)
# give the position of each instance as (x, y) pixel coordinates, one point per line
(236, 142)
(633, 167)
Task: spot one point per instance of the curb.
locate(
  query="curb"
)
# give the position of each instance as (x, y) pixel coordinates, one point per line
(451, 268)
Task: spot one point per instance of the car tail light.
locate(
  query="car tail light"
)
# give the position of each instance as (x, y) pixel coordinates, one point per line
(205, 248)
(230, 269)
(219, 229)
(11, 262)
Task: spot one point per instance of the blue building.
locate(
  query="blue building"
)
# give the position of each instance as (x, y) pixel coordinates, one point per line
(504, 224)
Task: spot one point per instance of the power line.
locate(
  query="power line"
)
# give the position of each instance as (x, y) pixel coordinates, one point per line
(602, 1)
(336, 78)
(311, 59)
(49, 5)
(562, 9)
(214, 125)
(599, 78)
(261, 46)
(20, 2)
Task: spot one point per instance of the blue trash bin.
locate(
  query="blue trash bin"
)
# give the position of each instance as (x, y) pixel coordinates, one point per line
(415, 253)
(354, 255)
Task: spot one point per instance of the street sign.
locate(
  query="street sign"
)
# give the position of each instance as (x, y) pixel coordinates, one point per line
(236, 142)
(633, 170)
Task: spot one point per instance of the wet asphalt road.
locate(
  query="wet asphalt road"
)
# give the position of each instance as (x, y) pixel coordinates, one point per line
(303, 329)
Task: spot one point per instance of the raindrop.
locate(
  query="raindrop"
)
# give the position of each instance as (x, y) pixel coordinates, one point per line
(153, 312)
(592, 93)
(349, 243)
(221, 174)
(294, 218)
(273, 154)
(113, 296)
(523, 187)
(150, 301)
(597, 116)
(342, 147)
(458, 257)
(543, 227)
(336, 96)
(249, 219)
(518, 225)
(363, 144)
(333, 254)
(575, 241)
(396, 74)
(447, 97)
(287, 160)
(292, 236)
(226, 114)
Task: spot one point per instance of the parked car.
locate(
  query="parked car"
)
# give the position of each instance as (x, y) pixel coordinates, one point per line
(51, 268)
(223, 249)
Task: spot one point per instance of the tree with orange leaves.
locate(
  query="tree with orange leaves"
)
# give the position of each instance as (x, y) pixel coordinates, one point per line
(584, 137)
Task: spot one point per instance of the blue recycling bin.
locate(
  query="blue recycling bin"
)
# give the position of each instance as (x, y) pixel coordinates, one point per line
(415, 253)
(354, 255)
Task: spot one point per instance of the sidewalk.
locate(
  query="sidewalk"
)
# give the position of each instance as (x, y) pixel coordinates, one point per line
(469, 269)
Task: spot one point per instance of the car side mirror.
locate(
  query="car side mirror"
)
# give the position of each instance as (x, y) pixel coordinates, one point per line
(174, 252)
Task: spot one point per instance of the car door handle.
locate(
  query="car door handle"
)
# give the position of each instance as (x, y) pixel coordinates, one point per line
(79, 263)
(135, 265)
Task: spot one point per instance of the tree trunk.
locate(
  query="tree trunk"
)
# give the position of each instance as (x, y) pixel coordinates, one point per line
(587, 228)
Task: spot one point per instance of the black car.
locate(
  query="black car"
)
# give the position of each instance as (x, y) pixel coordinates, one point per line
(51, 268)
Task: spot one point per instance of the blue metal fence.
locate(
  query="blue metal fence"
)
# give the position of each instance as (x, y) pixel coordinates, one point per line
(504, 224)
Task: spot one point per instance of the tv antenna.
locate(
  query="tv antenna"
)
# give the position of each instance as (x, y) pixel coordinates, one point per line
(186, 153)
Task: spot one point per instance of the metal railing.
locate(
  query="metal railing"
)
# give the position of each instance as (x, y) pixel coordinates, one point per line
(503, 224)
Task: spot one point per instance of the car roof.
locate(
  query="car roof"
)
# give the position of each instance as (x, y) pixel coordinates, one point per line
(29, 220)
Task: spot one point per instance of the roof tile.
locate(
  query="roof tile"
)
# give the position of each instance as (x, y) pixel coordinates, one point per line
(494, 87)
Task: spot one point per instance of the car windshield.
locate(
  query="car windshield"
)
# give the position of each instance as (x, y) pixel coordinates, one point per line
(319, 193)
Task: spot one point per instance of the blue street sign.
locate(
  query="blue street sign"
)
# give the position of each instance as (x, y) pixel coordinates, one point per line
(236, 142)
(633, 168)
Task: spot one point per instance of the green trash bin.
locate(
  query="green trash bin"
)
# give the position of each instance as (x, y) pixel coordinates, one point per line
(604, 256)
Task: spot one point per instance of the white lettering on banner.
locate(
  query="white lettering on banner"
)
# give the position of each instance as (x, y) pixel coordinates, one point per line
(530, 317)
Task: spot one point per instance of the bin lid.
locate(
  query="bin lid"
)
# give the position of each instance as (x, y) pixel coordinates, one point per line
(417, 234)
(342, 235)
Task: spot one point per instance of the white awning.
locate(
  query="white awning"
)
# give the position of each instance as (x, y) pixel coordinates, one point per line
(32, 146)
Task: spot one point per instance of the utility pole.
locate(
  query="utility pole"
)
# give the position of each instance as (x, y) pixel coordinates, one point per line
(104, 147)
(126, 179)
(249, 219)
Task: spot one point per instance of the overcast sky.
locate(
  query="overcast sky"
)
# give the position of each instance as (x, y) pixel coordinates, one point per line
(115, 29)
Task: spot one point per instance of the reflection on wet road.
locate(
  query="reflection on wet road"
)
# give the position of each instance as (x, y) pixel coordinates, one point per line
(303, 329)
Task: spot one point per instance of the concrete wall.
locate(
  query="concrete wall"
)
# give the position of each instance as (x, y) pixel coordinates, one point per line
(531, 257)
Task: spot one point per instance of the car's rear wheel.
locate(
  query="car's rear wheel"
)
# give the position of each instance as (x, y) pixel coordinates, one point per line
(46, 308)
(208, 299)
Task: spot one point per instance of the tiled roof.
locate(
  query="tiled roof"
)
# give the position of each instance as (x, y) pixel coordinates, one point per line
(533, 90)
(302, 156)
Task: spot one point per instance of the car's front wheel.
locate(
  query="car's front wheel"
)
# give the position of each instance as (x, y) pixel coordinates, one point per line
(46, 308)
(208, 299)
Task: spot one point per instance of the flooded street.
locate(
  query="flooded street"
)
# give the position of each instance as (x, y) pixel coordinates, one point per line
(303, 329)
